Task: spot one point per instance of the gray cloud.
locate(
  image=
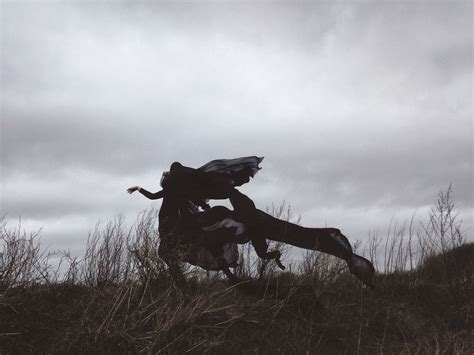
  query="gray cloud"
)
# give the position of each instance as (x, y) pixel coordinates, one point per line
(356, 107)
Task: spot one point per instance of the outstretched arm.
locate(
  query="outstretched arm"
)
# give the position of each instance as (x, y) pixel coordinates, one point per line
(146, 193)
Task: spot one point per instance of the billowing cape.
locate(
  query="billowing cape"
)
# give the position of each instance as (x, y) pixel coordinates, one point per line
(234, 172)
(239, 170)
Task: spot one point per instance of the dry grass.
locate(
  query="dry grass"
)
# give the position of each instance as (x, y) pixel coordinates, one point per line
(119, 297)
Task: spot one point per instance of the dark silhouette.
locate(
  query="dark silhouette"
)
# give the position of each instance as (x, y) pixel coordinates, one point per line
(185, 231)
(184, 189)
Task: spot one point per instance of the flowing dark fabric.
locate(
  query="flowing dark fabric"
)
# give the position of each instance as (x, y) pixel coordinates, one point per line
(202, 257)
(214, 233)
(217, 177)
(238, 170)
(220, 172)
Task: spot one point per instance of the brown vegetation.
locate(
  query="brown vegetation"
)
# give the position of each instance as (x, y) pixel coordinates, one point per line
(119, 298)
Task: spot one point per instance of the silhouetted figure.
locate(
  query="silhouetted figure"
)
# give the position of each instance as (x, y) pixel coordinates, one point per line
(186, 233)
(184, 188)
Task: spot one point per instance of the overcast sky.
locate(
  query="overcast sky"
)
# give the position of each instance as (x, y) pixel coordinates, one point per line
(362, 110)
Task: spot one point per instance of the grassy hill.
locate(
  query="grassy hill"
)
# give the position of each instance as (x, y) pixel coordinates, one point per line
(119, 298)
(284, 313)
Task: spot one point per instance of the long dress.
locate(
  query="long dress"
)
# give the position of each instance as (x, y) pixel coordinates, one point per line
(186, 187)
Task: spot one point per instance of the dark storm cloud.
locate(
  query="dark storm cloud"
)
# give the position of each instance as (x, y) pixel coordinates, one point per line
(356, 107)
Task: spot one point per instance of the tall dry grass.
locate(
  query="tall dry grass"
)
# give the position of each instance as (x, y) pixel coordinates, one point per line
(119, 296)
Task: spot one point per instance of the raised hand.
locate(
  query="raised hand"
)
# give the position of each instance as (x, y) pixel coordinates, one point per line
(132, 189)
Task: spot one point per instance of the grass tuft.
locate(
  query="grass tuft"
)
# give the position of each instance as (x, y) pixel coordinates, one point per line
(120, 298)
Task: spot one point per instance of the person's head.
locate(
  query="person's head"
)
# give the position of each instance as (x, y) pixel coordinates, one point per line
(175, 165)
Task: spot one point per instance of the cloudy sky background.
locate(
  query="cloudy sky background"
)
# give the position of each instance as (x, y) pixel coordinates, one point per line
(363, 111)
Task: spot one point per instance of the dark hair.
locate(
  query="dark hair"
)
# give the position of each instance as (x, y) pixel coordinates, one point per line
(164, 179)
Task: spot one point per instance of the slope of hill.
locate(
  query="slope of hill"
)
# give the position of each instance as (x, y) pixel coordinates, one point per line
(409, 312)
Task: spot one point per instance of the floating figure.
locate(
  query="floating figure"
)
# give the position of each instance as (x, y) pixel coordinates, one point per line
(208, 238)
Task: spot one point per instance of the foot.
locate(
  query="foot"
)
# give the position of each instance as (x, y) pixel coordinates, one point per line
(276, 257)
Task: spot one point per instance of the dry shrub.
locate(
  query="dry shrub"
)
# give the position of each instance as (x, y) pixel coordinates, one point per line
(22, 261)
(120, 297)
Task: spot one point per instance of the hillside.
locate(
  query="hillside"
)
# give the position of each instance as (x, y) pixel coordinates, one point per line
(407, 313)
(119, 297)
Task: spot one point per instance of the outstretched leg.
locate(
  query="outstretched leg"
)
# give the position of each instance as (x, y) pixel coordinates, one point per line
(326, 240)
